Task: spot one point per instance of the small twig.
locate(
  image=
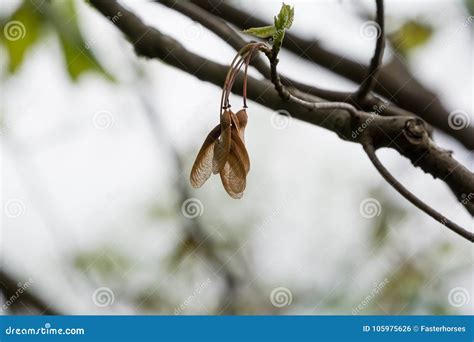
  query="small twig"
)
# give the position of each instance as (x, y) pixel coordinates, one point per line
(370, 150)
(272, 56)
(368, 83)
(247, 62)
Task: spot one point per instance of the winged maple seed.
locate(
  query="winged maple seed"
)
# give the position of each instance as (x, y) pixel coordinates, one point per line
(223, 152)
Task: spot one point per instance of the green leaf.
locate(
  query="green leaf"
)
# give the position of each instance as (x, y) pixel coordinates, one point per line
(105, 261)
(411, 35)
(20, 33)
(284, 19)
(278, 37)
(261, 32)
(77, 53)
(282, 22)
(80, 60)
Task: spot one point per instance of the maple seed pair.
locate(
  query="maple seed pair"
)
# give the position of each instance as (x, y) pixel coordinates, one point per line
(223, 152)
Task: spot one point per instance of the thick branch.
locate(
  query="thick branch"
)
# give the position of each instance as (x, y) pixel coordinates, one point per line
(406, 135)
(393, 80)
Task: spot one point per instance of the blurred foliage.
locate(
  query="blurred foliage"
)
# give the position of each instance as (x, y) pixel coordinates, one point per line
(409, 36)
(182, 251)
(391, 214)
(77, 52)
(150, 300)
(33, 19)
(414, 286)
(27, 35)
(161, 212)
(403, 289)
(106, 262)
(469, 6)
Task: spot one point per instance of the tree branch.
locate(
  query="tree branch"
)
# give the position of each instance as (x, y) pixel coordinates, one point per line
(393, 80)
(406, 135)
(368, 83)
(369, 149)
